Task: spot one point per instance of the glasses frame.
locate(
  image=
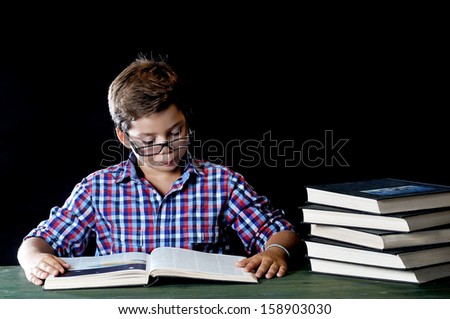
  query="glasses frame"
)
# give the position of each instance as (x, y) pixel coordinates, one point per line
(161, 145)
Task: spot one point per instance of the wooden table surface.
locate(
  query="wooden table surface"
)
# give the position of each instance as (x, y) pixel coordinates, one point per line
(298, 283)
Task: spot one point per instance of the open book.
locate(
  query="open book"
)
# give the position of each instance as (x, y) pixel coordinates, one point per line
(140, 269)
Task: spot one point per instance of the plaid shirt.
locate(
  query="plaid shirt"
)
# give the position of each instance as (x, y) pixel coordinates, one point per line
(126, 213)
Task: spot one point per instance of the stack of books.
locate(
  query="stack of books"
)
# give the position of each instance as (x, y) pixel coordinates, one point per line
(385, 229)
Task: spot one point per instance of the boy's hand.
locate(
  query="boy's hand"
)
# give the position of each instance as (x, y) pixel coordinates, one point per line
(269, 263)
(47, 265)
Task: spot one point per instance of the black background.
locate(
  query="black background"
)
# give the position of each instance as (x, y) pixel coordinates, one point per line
(376, 81)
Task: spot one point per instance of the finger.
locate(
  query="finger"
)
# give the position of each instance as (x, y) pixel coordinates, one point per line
(242, 263)
(35, 280)
(264, 266)
(54, 265)
(276, 269)
(36, 276)
(47, 267)
(41, 273)
(272, 270)
(282, 271)
(249, 264)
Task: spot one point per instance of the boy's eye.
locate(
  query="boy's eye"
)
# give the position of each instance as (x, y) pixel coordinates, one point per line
(173, 135)
(148, 143)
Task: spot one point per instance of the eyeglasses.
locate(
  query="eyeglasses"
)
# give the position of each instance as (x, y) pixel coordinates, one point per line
(155, 149)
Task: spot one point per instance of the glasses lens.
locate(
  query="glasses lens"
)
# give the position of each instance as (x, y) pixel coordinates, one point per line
(149, 150)
(180, 143)
(155, 149)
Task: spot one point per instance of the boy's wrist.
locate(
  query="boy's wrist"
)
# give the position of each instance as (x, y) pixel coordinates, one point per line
(279, 247)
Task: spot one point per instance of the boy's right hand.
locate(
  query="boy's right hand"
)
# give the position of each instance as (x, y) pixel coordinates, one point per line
(46, 265)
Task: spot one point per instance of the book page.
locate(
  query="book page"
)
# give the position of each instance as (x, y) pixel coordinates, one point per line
(189, 263)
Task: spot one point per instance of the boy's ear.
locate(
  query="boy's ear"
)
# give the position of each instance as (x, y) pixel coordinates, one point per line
(122, 138)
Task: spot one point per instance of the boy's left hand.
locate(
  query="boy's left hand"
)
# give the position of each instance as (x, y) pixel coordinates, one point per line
(269, 263)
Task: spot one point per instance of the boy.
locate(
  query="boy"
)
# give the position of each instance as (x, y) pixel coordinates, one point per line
(161, 195)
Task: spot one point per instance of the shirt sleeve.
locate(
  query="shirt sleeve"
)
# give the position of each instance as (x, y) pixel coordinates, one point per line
(252, 216)
(68, 227)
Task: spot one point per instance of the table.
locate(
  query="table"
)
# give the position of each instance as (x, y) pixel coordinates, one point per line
(299, 283)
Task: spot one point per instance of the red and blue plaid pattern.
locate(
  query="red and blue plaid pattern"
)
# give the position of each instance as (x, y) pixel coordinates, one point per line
(126, 213)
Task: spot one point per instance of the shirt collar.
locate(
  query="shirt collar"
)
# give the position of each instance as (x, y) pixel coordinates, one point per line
(130, 170)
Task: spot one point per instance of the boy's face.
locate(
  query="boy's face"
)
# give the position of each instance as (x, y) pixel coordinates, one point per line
(145, 135)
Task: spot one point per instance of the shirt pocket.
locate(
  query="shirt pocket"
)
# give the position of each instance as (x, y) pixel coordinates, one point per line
(125, 239)
(203, 239)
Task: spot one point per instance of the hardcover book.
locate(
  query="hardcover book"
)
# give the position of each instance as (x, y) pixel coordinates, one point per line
(400, 258)
(406, 221)
(142, 269)
(382, 239)
(416, 275)
(380, 196)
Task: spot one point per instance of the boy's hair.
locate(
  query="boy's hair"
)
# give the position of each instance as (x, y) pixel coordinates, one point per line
(144, 87)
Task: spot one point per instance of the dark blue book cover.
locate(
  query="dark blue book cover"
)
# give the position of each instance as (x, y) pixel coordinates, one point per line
(382, 188)
(380, 196)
